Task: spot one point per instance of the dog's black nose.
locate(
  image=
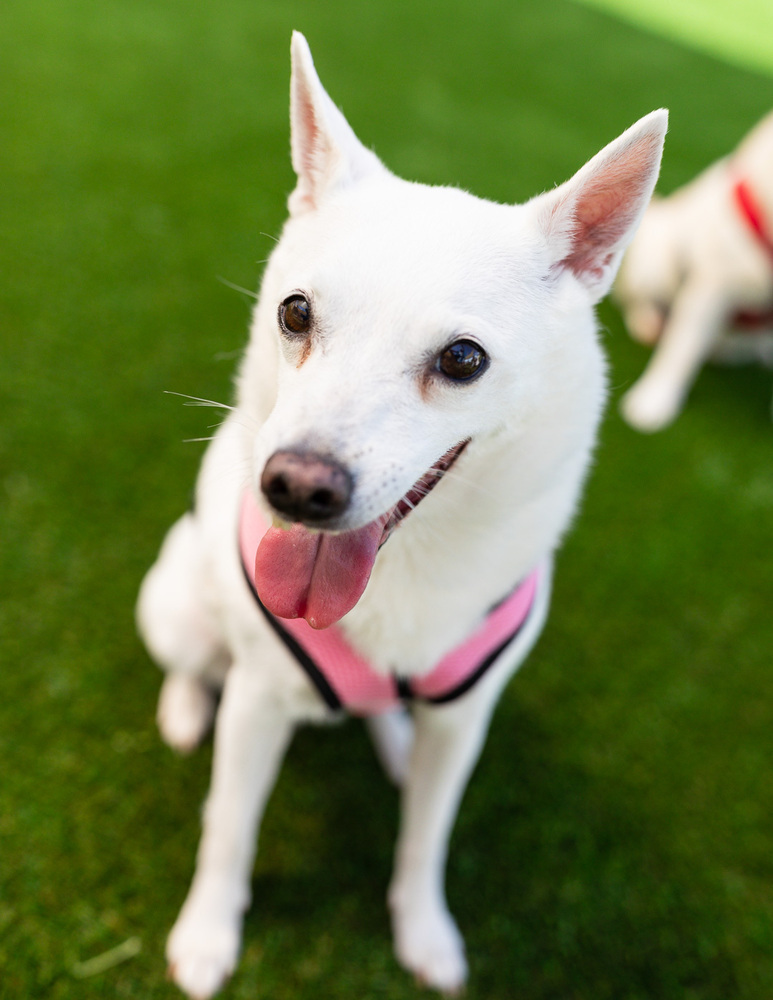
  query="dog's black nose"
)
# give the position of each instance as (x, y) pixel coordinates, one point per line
(304, 486)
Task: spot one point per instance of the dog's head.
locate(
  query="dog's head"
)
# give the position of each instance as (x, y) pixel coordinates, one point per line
(405, 327)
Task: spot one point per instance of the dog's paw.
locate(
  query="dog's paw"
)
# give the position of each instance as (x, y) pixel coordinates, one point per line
(428, 944)
(201, 954)
(650, 407)
(186, 708)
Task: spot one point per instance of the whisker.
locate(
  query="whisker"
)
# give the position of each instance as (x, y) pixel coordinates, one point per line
(212, 427)
(238, 288)
(270, 237)
(245, 420)
(198, 401)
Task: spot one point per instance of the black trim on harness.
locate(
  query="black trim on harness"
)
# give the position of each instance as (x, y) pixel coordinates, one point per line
(402, 684)
(404, 689)
(475, 676)
(319, 680)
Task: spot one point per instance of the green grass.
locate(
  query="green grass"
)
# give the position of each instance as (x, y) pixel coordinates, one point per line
(740, 31)
(616, 840)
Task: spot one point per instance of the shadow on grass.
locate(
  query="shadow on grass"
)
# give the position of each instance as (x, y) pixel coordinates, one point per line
(567, 887)
(563, 885)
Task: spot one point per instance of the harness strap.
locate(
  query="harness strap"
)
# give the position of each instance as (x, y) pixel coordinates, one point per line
(315, 675)
(396, 689)
(752, 214)
(345, 680)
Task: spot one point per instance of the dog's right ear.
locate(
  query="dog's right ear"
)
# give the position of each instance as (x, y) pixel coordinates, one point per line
(326, 153)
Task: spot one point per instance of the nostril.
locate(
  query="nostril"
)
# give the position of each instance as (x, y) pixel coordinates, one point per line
(277, 488)
(322, 499)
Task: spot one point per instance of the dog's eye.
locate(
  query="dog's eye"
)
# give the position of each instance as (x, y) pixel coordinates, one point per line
(295, 314)
(462, 361)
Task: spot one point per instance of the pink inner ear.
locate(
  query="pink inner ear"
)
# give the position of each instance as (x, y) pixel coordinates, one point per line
(308, 143)
(607, 206)
(325, 152)
(312, 142)
(601, 220)
(313, 149)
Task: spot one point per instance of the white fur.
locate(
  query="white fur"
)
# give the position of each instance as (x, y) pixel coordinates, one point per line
(693, 265)
(396, 271)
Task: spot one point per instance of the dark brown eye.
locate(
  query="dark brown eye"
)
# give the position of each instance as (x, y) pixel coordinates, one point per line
(295, 315)
(462, 361)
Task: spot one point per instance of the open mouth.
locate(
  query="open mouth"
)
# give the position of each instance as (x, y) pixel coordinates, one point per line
(421, 488)
(319, 575)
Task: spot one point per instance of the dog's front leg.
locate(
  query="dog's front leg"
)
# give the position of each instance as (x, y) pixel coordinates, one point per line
(447, 743)
(698, 316)
(252, 733)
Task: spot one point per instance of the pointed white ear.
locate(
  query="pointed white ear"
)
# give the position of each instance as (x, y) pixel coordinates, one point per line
(589, 220)
(325, 151)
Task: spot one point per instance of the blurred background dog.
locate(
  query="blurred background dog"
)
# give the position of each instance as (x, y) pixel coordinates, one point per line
(697, 281)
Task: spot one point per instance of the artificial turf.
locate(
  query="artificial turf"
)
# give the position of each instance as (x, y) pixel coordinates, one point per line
(616, 839)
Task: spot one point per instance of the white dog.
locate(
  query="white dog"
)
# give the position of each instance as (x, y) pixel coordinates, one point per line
(698, 278)
(406, 337)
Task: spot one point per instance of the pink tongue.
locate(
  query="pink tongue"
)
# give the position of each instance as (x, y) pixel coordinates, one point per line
(312, 575)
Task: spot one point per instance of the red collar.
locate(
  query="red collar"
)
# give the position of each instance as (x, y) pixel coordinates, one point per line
(754, 217)
(752, 214)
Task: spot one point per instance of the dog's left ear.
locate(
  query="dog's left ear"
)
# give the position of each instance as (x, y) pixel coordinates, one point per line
(326, 153)
(589, 220)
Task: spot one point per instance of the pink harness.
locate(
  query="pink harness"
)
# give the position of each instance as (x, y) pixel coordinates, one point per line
(345, 680)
